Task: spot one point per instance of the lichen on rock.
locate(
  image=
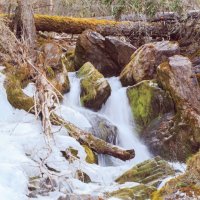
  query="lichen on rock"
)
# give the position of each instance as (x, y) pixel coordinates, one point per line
(95, 89)
(148, 102)
(150, 172)
(145, 61)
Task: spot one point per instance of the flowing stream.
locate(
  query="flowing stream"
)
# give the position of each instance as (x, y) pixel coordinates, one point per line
(117, 111)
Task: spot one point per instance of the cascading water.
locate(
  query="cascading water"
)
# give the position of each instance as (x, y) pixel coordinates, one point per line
(117, 111)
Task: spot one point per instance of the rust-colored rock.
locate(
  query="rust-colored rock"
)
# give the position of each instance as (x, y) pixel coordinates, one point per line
(145, 61)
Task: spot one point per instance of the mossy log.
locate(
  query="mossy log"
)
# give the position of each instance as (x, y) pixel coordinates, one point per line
(96, 144)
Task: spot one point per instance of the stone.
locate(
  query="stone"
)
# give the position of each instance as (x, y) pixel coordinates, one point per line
(139, 192)
(148, 103)
(55, 69)
(108, 55)
(186, 186)
(177, 136)
(95, 89)
(150, 172)
(82, 176)
(145, 61)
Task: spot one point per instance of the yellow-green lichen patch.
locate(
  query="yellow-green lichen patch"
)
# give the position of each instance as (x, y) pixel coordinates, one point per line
(15, 95)
(94, 88)
(148, 102)
(139, 192)
(91, 157)
(150, 172)
(16, 79)
(68, 61)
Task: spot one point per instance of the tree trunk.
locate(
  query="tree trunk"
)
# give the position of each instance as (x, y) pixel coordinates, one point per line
(24, 23)
(183, 30)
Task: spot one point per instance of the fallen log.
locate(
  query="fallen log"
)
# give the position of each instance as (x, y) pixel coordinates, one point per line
(96, 144)
(185, 30)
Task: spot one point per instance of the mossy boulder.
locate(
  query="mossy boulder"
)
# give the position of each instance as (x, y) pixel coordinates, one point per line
(145, 61)
(148, 102)
(16, 79)
(16, 97)
(186, 186)
(109, 55)
(95, 89)
(150, 172)
(91, 157)
(139, 192)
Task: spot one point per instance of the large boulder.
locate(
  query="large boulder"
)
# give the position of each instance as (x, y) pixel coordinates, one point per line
(150, 172)
(145, 61)
(109, 55)
(95, 89)
(178, 136)
(148, 103)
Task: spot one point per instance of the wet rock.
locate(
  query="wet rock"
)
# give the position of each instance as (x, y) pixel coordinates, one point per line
(150, 172)
(148, 102)
(102, 128)
(82, 176)
(139, 192)
(145, 61)
(185, 186)
(109, 55)
(95, 89)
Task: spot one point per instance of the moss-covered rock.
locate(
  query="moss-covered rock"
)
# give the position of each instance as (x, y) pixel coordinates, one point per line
(16, 97)
(91, 157)
(186, 186)
(145, 61)
(95, 89)
(150, 172)
(139, 192)
(16, 79)
(148, 102)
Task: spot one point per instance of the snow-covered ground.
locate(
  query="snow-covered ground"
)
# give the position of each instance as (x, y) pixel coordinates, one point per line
(26, 154)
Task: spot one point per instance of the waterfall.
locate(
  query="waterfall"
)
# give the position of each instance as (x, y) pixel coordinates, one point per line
(116, 110)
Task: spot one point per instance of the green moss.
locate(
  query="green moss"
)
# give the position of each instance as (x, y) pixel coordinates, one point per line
(89, 83)
(139, 192)
(148, 172)
(68, 61)
(50, 73)
(140, 98)
(15, 95)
